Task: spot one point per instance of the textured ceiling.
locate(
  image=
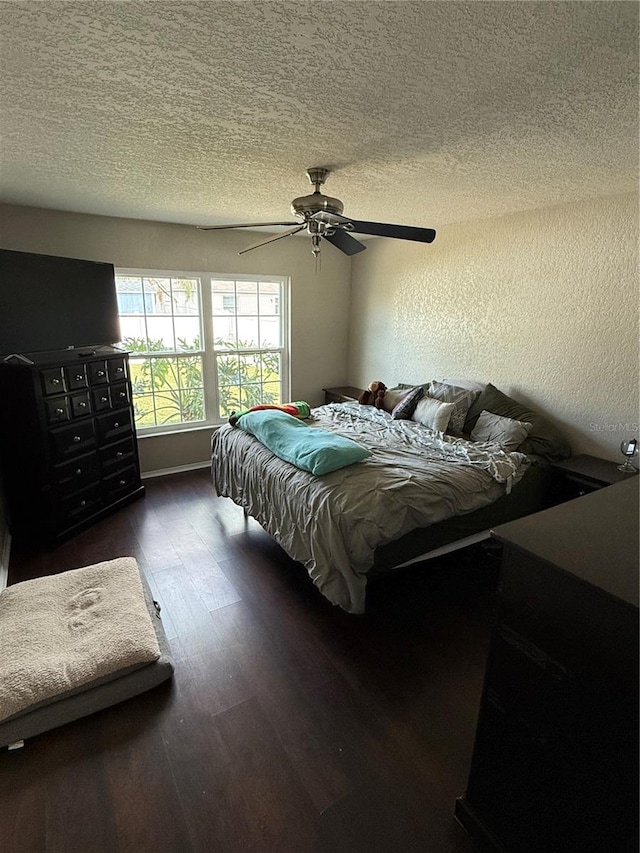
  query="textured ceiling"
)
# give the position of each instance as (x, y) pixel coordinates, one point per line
(210, 112)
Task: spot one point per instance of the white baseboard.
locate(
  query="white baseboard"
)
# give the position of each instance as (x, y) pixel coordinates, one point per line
(4, 561)
(179, 469)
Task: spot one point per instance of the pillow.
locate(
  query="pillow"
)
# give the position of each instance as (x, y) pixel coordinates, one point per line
(462, 398)
(506, 432)
(405, 407)
(544, 439)
(392, 397)
(433, 413)
(312, 449)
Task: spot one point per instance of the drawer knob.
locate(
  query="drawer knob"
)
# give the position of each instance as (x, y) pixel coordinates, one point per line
(119, 369)
(79, 376)
(77, 438)
(83, 503)
(100, 372)
(59, 411)
(78, 471)
(119, 453)
(122, 395)
(103, 399)
(116, 425)
(123, 482)
(55, 381)
(82, 405)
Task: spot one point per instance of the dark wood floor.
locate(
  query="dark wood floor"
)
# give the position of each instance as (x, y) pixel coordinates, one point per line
(290, 726)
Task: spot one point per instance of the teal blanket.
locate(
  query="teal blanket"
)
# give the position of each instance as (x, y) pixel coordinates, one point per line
(311, 448)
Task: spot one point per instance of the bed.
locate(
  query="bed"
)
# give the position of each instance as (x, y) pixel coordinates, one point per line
(419, 490)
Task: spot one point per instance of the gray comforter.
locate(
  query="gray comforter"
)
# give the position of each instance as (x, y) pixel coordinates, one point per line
(333, 524)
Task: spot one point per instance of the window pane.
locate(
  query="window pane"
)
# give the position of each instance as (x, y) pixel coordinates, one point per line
(134, 333)
(270, 332)
(168, 408)
(165, 373)
(160, 334)
(141, 381)
(271, 392)
(192, 404)
(269, 292)
(224, 332)
(248, 333)
(185, 296)
(223, 297)
(251, 395)
(187, 333)
(270, 366)
(190, 372)
(144, 411)
(247, 297)
(228, 370)
(157, 295)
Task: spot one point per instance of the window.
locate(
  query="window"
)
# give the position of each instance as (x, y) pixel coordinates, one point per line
(202, 346)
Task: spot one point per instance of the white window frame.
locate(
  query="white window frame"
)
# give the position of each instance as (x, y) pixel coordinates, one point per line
(209, 355)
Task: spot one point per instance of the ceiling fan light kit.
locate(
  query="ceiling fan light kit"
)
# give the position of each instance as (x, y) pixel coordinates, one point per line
(322, 217)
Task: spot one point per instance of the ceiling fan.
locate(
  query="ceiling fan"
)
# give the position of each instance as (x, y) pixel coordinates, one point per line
(322, 218)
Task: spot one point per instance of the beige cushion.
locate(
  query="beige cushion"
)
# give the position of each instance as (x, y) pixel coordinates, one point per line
(61, 632)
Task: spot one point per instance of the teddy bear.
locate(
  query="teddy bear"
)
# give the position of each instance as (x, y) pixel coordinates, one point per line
(373, 395)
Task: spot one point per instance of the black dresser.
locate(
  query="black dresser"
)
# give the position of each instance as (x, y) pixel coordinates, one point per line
(67, 441)
(555, 761)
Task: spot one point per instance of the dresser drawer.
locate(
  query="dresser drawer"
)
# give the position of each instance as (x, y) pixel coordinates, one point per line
(117, 369)
(53, 380)
(76, 377)
(79, 505)
(120, 395)
(58, 409)
(73, 440)
(114, 425)
(117, 454)
(77, 474)
(101, 399)
(80, 404)
(98, 372)
(121, 482)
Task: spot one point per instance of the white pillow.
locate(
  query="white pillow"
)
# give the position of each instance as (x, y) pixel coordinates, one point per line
(506, 432)
(433, 413)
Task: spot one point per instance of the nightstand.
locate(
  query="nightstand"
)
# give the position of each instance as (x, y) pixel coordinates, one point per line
(343, 394)
(584, 473)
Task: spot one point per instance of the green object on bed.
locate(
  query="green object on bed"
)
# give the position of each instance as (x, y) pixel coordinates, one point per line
(310, 448)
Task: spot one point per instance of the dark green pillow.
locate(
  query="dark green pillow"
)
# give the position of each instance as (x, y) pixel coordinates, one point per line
(544, 439)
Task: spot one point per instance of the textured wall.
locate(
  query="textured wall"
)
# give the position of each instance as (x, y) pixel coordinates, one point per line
(319, 302)
(543, 304)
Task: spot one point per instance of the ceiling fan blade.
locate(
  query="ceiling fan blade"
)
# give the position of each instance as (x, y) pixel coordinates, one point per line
(243, 225)
(274, 238)
(345, 242)
(400, 232)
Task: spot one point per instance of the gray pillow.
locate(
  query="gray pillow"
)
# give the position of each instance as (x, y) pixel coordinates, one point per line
(462, 398)
(405, 407)
(506, 432)
(544, 440)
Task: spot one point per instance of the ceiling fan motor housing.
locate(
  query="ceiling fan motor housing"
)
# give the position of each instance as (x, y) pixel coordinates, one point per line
(307, 205)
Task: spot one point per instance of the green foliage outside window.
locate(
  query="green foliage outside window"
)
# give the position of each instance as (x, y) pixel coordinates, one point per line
(169, 388)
